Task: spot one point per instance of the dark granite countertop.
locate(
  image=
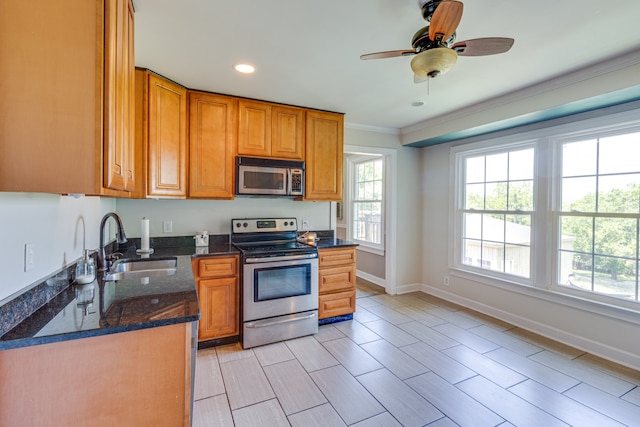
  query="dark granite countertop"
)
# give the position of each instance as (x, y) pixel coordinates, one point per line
(333, 242)
(101, 307)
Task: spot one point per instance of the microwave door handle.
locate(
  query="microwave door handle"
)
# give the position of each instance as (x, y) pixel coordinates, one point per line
(289, 182)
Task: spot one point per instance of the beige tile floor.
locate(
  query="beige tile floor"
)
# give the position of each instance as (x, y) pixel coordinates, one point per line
(413, 360)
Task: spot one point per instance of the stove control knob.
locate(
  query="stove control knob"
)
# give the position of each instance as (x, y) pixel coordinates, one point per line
(238, 224)
(245, 225)
(286, 223)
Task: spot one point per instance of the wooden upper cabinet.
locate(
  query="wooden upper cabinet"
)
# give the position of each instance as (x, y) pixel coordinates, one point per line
(270, 130)
(323, 159)
(61, 68)
(162, 119)
(213, 121)
(119, 80)
(167, 151)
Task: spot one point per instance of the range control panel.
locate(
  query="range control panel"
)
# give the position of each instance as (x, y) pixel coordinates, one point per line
(263, 225)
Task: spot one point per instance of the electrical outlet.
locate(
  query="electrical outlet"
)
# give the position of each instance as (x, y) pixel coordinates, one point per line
(446, 280)
(167, 226)
(29, 256)
(305, 224)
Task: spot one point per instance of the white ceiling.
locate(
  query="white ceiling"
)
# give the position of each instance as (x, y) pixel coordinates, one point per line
(306, 52)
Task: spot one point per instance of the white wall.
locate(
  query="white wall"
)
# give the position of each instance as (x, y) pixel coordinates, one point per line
(570, 323)
(409, 208)
(58, 226)
(189, 216)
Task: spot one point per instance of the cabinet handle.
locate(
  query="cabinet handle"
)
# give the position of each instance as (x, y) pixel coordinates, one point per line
(265, 323)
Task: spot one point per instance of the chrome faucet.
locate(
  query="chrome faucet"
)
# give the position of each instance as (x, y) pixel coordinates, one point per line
(120, 238)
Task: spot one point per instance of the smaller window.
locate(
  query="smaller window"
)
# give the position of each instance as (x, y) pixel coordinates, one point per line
(367, 216)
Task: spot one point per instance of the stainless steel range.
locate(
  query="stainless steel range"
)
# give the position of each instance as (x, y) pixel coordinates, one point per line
(279, 280)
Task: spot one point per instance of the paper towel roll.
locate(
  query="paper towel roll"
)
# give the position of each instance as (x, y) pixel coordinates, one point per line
(144, 245)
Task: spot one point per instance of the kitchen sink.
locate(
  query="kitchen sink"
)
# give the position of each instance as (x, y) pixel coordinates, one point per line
(134, 268)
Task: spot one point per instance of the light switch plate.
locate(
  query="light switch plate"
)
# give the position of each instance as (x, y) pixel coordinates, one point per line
(29, 256)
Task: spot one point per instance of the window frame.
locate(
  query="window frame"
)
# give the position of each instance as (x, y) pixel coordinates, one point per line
(352, 163)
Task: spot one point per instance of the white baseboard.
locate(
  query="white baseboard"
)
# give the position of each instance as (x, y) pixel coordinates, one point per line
(607, 352)
(411, 287)
(371, 278)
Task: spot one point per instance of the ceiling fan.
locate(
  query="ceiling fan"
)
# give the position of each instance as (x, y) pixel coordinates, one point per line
(434, 46)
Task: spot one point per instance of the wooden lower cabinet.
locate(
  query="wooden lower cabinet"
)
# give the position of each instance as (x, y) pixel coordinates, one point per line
(217, 282)
(337, 281)
(136, 378)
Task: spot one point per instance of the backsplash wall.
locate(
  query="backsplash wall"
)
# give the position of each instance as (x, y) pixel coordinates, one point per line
(214, 216)
(59, 227)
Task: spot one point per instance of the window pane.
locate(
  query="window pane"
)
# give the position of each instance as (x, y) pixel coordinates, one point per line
(579, 194)
(496, 196)
(576, 233)
(517, 229)
(472, 226)
(616, 236)
(474, 196)
(521, 164)
(579, 158)
(497, 167)
(615, 277)
(368, 191)
(493, 228)
(575, 270)
(611, 160)
(377, 190)
(378, 170)
(619, 193)
(521, 196)
(517, 260)
(360, 191)
(474, 168)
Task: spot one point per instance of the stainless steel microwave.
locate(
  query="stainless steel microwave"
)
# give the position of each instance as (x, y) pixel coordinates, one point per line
(269, 177)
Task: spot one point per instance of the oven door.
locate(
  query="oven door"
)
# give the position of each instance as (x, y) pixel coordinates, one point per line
(275, 287)
(262, 180)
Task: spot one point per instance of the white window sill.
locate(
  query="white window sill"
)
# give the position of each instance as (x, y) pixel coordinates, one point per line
(365, 248)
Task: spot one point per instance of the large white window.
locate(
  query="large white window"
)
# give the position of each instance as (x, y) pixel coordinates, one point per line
(599, 214)
(367, 207)
(555, 209)
(497, 209)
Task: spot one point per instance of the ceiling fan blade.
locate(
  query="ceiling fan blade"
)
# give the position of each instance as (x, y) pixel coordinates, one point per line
(483, 46)
(388, 54)
(445, 20)
(419, 79)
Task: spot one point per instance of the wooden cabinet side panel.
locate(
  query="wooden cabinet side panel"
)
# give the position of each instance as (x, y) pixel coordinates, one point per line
(167, 144)
(287, 139)
(51, 63)
(132, 378)
(219, 302)
(254, 128)
(212, 142)
(324, 152)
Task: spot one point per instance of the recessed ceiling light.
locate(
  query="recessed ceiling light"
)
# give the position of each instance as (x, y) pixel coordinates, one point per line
(244, 68)
(417, 103)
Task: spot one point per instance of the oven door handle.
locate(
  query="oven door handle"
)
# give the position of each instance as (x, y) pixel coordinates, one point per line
(265, 323)
(255, 260)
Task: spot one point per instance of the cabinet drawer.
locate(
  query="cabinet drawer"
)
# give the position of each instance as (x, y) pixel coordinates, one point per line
(217, 267)
(337, 304)
(337, 256)
(337, 279)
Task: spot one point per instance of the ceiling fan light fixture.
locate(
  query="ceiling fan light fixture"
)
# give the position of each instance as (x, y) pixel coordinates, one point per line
(434, 62)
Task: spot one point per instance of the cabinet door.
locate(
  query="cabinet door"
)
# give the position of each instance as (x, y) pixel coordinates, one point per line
(336, 304)
(212, 142)
(254, 128)
(167, 139)
(323, 157)
(218, 308)
(287, 132)
(119, 96)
